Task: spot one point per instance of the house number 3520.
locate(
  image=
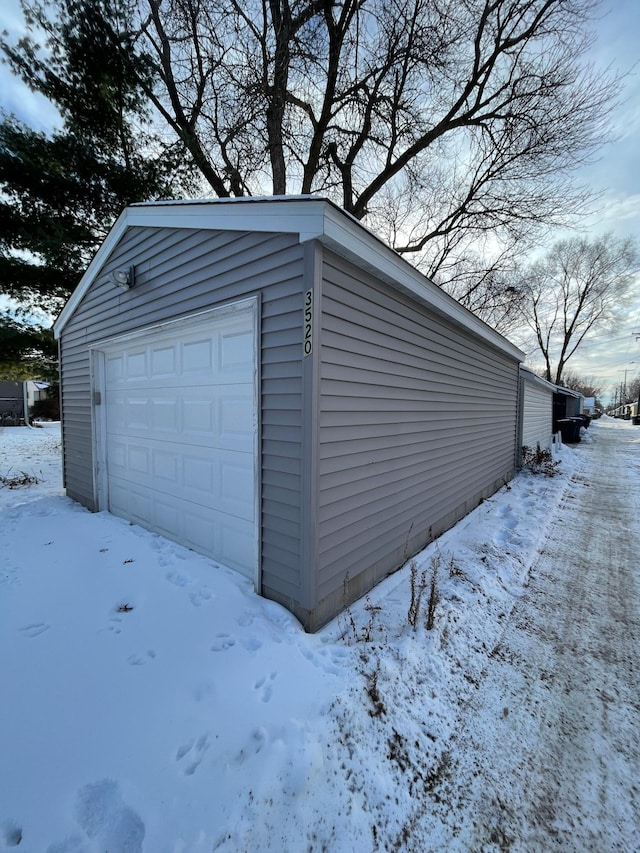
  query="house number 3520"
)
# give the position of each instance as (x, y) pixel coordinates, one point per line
(308, 321)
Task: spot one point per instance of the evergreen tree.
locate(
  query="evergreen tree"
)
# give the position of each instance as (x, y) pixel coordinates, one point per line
(61, 191)
(26, 351)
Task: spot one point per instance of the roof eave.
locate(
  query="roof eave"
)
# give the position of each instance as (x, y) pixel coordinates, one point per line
(311, 218)
(534, 379)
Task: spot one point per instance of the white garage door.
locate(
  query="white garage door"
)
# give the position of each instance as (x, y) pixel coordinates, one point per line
(179, 427)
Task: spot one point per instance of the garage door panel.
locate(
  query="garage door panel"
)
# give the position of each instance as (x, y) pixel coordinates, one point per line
(136, 365)
(138, 460)
(164, 362)
(163, 512)
(235, 420)
(235, 541)
(236, 485)
(114, 369)
(221, 417)
(136, 413)
(201, 532)
(197, 357)
(180, 436)
(224, 358)
(198, 417)
(165, 414)
(234, 350)
(199, 474)
(210, 477)
(119, 497)
(165, 466)
(205, 529)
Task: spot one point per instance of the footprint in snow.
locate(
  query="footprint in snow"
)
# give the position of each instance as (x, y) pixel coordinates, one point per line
(223, 642)
(204, 691)
(10, 833)
(140, 660)
(255, 746)
(324, 659)
(201, 595)
(35, 629)
(107, 819)
(115, 624)
(178, 578)
(191, 753)
(264, 684)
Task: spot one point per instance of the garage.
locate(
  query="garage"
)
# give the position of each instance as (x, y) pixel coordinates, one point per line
(176, 432)
(265, 382)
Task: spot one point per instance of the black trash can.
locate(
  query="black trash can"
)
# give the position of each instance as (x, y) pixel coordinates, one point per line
(577, 419)
(570, 430)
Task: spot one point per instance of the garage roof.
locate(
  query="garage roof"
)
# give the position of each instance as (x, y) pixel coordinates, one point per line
(533, 379)
(311, 218)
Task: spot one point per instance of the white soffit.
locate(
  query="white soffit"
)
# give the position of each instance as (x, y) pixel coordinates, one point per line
(311, 218)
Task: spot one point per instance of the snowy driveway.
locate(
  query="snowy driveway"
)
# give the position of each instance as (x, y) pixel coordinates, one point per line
(556, 763)
(150, 702)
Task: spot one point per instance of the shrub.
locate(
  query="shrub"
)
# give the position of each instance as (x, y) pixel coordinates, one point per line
(539, 461)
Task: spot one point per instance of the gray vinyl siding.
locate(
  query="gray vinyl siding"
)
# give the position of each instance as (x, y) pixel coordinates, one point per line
(417, 423)
(537, 416)
(180, 272)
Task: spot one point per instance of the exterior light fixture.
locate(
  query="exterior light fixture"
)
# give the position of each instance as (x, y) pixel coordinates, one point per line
(123, 278)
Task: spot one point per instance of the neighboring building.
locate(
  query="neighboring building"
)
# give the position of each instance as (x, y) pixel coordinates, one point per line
(36, 392)
(266, 382)
(566, 404)
(11, 403)
(537, 410)
(12, 400)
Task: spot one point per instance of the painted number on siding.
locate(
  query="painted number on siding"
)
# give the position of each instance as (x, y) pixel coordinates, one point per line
(308, 322)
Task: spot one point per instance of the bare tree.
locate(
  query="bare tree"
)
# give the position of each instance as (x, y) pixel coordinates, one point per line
(588, 386)
(442, 123)
(579, 287)
(452, 127)
(633, 390)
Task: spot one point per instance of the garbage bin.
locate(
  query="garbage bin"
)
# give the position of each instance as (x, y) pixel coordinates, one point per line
(570, 430)
(579, 423)
(636, 420)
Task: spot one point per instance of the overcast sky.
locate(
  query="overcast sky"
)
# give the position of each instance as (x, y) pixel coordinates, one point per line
(616, 174)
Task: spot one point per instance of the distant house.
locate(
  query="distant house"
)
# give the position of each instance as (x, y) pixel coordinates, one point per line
(266, 382)
(36, 392)
(12, 398)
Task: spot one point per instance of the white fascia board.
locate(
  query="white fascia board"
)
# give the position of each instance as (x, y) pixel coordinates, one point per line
(295, 215)
(110, 242)
(533, 379)
(568, 392)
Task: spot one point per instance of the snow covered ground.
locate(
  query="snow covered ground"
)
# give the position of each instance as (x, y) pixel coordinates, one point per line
(150, 701)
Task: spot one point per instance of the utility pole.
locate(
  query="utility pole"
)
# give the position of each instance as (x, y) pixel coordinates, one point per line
(636, 417)
(623, 388)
